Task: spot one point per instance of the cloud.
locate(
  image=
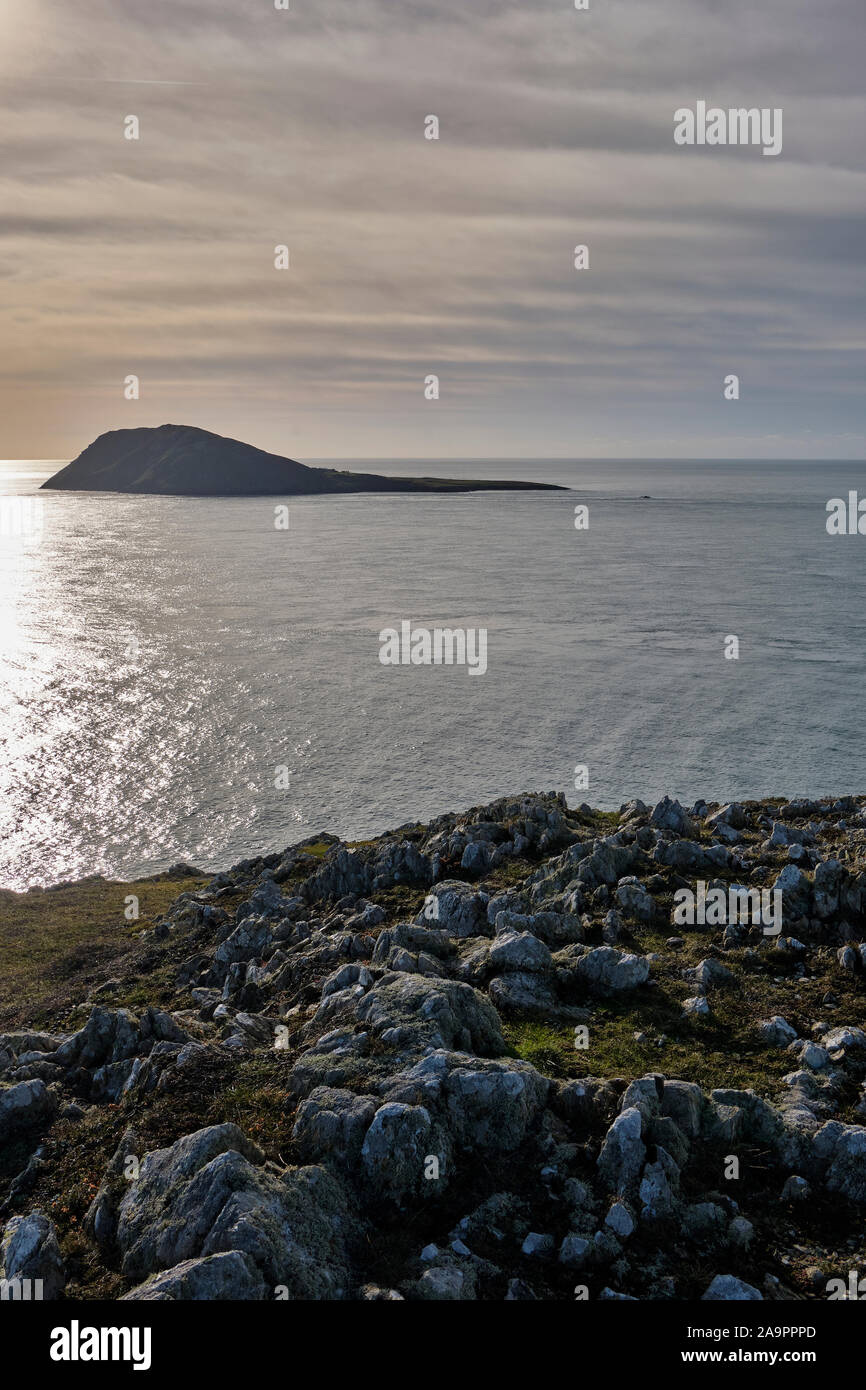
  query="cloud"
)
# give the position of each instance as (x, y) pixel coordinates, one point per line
(409, 256)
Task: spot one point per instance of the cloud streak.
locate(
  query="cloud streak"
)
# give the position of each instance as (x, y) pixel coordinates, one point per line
(409, 256)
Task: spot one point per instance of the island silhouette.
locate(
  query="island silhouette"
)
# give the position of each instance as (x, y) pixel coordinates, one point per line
(185, 461)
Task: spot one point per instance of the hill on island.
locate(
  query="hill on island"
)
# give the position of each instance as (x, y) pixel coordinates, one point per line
(184, 461)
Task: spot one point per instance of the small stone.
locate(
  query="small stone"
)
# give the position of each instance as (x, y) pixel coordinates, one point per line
(777, 1031)
(443, 1284)
(519, 1291)
(619, 1220)
(741, 1232)
(796, 1189)
(574, 1251)
(725, 1288)
(538, 1246)
(696, 1008)
(811, 1055)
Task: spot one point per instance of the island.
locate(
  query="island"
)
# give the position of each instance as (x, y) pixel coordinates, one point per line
(185, 461)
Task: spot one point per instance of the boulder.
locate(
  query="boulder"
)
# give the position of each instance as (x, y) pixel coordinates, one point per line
(777, 1031)
(692, 858)
(732, 814)
(829, 876)
(620, 1221)
(669, 815)
(796, 890)
(685, 1103)
(247, 941)
(605, 970)
(623, 1153)
(725, 1288)
(634, 899)
(487, 1107)
(25, 1105)
(100, 1221)
(555, 929)
(230, 1275)
(29, 1250)
(396, 1149)
(709, 974)
(842, 1148)
(209, 1193)
(698, 1007)
(457, 908)
(520, 951)
(332, 1124)
(435, 1013)
(658, 1186)
(524, 993)
(449, 1282)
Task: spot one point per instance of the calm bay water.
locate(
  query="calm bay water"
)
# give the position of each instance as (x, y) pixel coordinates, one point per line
(161, 658)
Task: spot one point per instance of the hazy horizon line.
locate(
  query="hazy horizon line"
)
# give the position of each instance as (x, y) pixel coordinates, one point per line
(523, 458)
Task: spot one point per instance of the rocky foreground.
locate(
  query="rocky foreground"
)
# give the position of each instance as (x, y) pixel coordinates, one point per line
(470, 1060)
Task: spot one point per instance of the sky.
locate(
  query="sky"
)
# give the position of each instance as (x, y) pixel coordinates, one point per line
(412, 257)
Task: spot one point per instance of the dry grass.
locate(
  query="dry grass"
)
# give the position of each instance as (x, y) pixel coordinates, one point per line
(58, 943)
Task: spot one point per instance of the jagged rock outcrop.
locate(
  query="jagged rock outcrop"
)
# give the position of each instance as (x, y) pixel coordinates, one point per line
(476, 1016)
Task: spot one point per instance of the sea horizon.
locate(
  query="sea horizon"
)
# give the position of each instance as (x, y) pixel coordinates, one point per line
(171, 755)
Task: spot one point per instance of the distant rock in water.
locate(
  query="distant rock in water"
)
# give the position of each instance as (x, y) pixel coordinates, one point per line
(183, 461)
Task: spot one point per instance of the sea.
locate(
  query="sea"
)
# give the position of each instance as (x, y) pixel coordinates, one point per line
(187, 679)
